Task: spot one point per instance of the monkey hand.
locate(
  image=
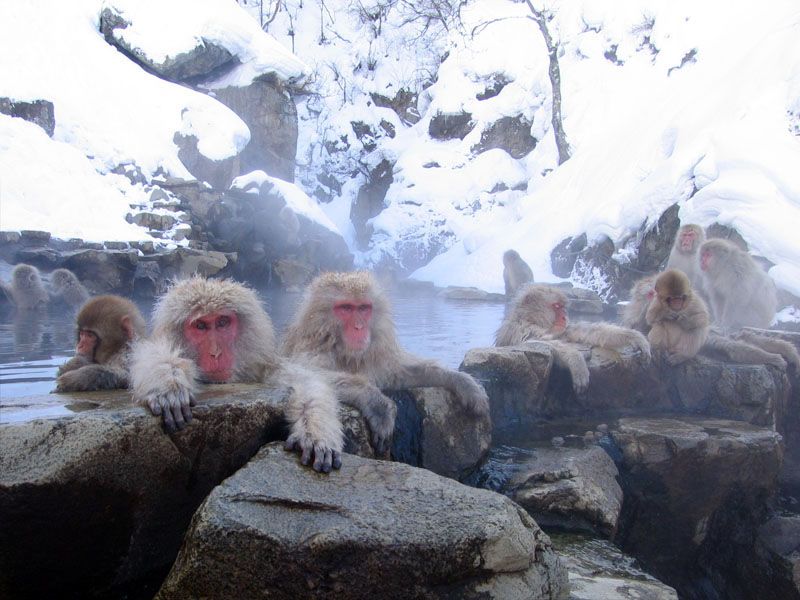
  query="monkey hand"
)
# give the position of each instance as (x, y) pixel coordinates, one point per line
(471, 395)
(173, 405)
(674, 359)
(76, 362)
(580, 379)
(380, 414)
(776, 360)
(325, 456)
(640, 344)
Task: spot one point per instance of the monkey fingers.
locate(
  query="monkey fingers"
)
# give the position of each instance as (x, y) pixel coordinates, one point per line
(324, 458)
(174, 408)
(472, 395)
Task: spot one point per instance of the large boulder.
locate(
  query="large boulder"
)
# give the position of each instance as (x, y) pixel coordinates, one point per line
(371, 529)
(39, 112)
(525, 386)
(695, 493)
(570, 488)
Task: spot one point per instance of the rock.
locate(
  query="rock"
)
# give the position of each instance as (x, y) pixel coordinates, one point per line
(39, 112)
(571, 489)
(404, 104)
(655, 243)
(372, 529)
(148, 282)
(448, 126)
(524, 386)
(432, 431)
(695, 491)
(217, 173)
(470, 293)
(370, 200)
(103, 271)
(584, 301)
(293, 275)
(202, 60)
(771, 569)
(599, 571)
(154, 221)
(267, 108)
(96, 496)
(563, 256)
(512, 134)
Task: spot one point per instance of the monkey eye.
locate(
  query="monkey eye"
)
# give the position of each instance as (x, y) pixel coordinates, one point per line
(363, 308)
(558, 306)
(201, 325)
(345, 307)
(223, 321)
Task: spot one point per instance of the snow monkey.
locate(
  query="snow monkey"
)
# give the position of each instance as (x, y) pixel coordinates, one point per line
(678, 318)
(516, 272)
(216, 331)
(344, 325)
(539, 312)
(741, 294)
(642, 292)
(26, 290)
(684, 254)
(65, 286)
(107, 325)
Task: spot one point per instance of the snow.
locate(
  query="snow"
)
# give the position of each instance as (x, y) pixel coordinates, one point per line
(681, 102)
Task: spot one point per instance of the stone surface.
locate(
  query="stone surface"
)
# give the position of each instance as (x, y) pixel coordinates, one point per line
(447, 126)
(599, 571)
(524, 386)
(512, 134)
(570, 488)
(217, 173)
(372, 529)
(39, 112)
(695, 492)
(470, 293)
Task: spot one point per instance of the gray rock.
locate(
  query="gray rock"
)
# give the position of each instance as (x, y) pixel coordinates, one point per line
(695, 490)
(266, 106)
(563, 256)
(572, 489)
(470, 293)
(370, 200)
(772, 569)
(372, 529)
(447, 126)
(584, 301)
(201, 61)
(103, 271)
(217, 173)
(512, 134)
(599, 571)
(39, 112)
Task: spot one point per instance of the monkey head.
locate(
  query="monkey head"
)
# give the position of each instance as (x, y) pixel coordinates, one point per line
(713, 252)
(212, 338)
(26, 276)
(351, 297)
(673, 289)
(544, 306)
(689, 237)
(105, 325)
(510, 257)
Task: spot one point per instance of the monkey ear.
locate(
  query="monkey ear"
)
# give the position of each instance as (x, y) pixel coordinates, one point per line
(127, 327)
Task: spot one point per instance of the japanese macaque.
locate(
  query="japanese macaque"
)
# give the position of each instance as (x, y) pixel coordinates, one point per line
(684, 254)
(26, 290)
(344, 326)
(66, 287)
(516, 272)
(677, 317)
(771, 345)
(216, 331)
(539, 312)
(741, 294)
(754, 352)
(634, 313)
(107, 326)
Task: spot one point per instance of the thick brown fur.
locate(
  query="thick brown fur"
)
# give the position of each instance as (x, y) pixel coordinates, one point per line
(315, 335)
(26, 290)
(516, 272)
(532, 318)
(116, 322)
(634, 313)
(740, 292)
(66, 287)
(164, 372)
(688, 260)
(678, 333)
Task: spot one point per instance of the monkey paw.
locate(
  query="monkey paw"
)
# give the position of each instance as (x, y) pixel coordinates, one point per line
(472, 396)
(325, 458)
(580, 381)
(173, 406)
(776, 360)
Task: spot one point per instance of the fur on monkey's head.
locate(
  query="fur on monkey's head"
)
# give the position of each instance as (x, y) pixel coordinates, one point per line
(673, 282)
(719, 248)
(198, 296)
(103, 316)
(26, 275)
(534, 304)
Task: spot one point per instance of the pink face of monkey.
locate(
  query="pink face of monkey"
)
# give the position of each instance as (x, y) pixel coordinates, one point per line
(560, 311)
(87, 343)
(706, 260)
(213, 339)
(688, 240)
(355, 316)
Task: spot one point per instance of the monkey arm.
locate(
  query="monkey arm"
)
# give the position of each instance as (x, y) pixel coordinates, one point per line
(312, 411)
(164, 381)
(91, 378)
(76, 362)
(415, 372)
(772, 345)
(571, 358)
(742, 352)
(606, 335)
(379, 410)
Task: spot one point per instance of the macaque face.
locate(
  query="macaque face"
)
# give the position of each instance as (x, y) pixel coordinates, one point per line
(560, 312)
(355, 317)
(706, 260)
(213, 339)
(87, 343)
(688, 240)
(676, 303)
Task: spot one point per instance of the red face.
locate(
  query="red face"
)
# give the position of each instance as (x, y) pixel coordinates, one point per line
(560, 311)
(688, 239)
(213, 338)
(355, 317)
(705, 260)
(87, 343)
(676, 303)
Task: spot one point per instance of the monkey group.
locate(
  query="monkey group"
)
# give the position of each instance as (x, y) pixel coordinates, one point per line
(27, 291)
